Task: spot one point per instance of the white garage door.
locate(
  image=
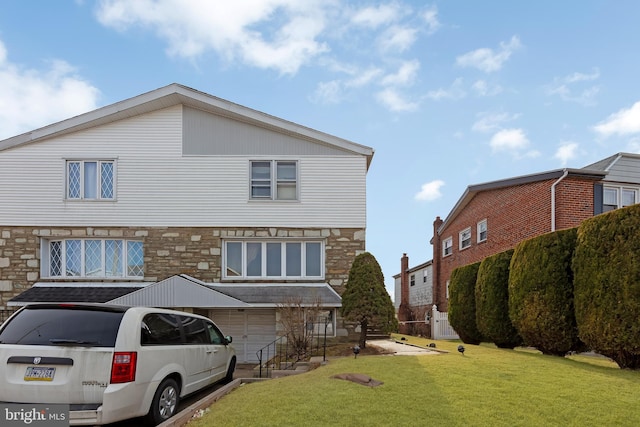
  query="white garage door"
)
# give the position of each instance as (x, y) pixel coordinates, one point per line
(251, 329)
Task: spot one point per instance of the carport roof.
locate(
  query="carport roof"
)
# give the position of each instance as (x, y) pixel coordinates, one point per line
(183, 291)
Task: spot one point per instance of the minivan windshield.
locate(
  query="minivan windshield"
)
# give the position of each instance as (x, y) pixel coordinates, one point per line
(62, 326)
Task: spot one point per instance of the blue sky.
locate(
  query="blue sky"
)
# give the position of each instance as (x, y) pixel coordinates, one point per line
(449, 93)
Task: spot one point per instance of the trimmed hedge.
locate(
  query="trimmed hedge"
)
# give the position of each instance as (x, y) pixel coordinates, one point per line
(541, 292)
(462, 303)
(492, 301)
(607, 285)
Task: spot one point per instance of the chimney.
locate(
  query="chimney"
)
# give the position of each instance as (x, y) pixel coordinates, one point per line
(438, 299)
(404, 311)
(404, 280)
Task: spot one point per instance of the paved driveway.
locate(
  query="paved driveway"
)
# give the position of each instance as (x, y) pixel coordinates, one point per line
(400, 349)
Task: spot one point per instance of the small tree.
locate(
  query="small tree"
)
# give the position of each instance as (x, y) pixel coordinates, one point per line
(492, 301)
(298, 321)
(462, 303)
(606, 266)
(365, 299)
(541, 292)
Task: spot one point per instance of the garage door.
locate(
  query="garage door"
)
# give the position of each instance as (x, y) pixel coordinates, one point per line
(251, 330)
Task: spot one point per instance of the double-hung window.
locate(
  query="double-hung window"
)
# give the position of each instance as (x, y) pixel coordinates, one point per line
(465, 238)
(447, 246)
(93, 258)
(273, 259)
(482, 231)
(90, 179)
(619, 197)
(274, 180)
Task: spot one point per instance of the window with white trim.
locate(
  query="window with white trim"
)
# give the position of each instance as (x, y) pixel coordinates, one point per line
(412, 280)
(618, 197)
(92, 258)
(273, 259)
(482, 231)
(90, 180)
(274, 180)
(447, 246)
(465, 238)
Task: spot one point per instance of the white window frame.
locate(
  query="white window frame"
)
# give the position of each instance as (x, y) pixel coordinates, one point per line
(447, 247)
(82, 193)
(619, 191)
(274, 183)
(464, 240)
(412, 280)
(245, 248)
(482, 228)
(46, 265)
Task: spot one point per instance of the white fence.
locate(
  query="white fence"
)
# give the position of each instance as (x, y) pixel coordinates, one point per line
(440, 328)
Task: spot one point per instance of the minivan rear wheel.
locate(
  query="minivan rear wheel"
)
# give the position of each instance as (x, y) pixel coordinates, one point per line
(165, 402)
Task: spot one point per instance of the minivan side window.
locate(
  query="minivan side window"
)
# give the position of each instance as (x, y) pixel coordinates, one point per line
(161, 329)
(214, 334)
(194, 330)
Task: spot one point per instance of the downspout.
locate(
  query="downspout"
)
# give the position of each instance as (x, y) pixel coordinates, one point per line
(553, 199)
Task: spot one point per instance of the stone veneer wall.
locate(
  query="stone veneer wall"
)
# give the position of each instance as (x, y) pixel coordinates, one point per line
(167, 251)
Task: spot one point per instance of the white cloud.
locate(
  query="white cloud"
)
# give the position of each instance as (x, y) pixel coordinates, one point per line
(566, 151)
(509, 140)
(453, 92)
(396, 102)
(374, 17)
(486, 59)
(398, 39)
(328, 92)
(33, 98)
(489, 122)
(364, 78)
(565, 88)
(624, 122)
(232, 29)
(482, 88)
(405, 76)
(430, 16)
(581, 77)
(430, 191)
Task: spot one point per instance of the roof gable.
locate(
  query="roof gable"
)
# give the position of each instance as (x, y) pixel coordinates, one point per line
(178, 291)
(176, 94)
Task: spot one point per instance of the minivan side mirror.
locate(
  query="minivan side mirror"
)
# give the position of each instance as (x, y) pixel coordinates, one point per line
(228, 340)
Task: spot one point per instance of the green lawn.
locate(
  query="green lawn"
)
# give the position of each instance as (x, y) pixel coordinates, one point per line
(484, 387)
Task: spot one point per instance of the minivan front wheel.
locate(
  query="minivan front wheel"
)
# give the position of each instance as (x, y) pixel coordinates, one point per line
(165, 402)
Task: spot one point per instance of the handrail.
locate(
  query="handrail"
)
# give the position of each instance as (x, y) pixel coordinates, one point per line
(277, 356)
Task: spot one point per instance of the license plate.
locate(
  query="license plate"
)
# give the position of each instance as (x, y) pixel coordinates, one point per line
(39, 373)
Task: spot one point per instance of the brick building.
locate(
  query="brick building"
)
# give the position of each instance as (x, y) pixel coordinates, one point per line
(492, 217)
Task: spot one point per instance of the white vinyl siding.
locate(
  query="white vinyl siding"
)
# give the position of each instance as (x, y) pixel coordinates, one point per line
(158, 186)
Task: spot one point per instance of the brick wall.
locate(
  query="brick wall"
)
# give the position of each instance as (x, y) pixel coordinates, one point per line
(513, 214)
(167, 251)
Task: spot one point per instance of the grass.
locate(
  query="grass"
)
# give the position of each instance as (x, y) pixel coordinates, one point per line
(484, 387)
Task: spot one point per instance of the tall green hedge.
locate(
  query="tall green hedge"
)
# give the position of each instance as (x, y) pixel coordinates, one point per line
(607, 285)
(492, 301)
(462, 303)
(541, 292)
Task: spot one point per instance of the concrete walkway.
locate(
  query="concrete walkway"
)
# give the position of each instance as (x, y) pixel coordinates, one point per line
(401, 349)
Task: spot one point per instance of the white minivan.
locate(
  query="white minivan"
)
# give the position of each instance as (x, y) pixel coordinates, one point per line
(109, 363)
